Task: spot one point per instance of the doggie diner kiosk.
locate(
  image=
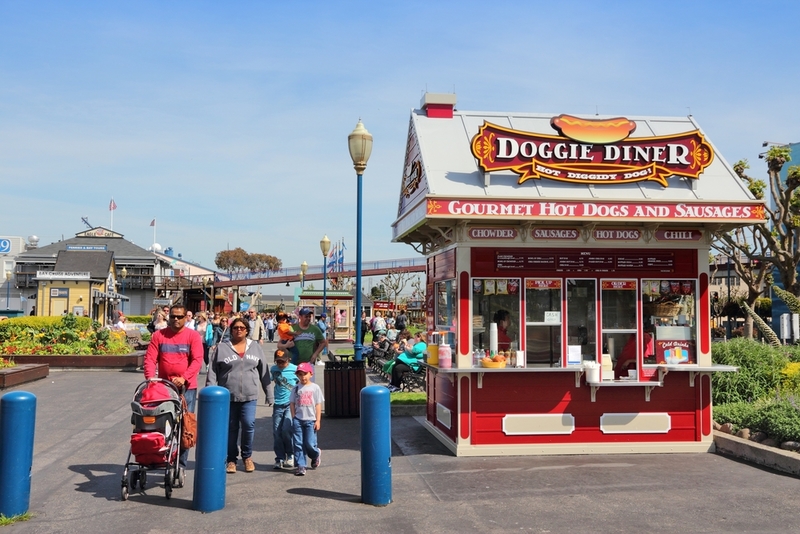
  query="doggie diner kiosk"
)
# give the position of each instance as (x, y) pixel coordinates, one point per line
(579, 247)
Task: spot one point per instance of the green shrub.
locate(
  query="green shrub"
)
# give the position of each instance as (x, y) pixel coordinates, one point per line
(759, 372)
(18, 324)
(790, 379)
(779, 418)
(139, 319)
(735, 413)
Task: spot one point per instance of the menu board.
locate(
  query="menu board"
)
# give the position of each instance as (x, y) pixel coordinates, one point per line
(585, 261)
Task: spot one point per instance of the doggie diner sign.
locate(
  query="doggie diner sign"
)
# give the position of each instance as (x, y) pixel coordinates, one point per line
(591, 151)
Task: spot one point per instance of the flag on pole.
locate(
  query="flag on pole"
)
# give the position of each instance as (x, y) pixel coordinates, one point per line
(153, 222)
(112, 205)
(341, 259)
(343, 247)
(332, 259)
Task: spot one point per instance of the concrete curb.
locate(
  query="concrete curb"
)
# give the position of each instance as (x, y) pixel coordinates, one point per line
(750, 451)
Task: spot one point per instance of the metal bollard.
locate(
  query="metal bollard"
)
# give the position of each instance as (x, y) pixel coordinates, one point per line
(214, 404)
(17, 423)
(376, 446)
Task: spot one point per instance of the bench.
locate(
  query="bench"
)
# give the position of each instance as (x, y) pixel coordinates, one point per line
(414, 380)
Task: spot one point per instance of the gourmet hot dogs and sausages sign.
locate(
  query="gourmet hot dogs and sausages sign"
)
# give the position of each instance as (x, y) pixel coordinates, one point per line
(591, 152)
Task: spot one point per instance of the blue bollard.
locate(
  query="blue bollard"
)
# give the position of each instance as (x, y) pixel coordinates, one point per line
(17, 422)
(376, 446)
(214, 404)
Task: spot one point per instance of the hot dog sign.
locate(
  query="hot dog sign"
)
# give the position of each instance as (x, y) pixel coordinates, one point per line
(590, 151)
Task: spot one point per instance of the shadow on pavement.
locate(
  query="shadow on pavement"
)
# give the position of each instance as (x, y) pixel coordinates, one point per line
(323, 494)
(108, 486)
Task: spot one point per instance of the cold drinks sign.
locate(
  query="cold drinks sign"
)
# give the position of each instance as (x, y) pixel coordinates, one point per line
(591, 151)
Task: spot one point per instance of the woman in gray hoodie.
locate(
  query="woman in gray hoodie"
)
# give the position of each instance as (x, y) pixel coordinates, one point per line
(239, 366)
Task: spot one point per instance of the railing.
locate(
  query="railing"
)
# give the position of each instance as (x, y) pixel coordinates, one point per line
(317, 269)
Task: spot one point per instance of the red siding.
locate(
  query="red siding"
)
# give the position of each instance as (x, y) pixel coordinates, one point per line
(556, 393)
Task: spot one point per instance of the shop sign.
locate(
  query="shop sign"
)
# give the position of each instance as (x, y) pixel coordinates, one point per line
(382, 305)
(543, 283)
(555, 233)
(678, 235)
(555, 210)
(627, 285)
(621, 234)
(591, 151)
(672, 352)
(63, 275)
(493, 233)
(98, 232)
(87, 247)
(5, 246)
(59, 292)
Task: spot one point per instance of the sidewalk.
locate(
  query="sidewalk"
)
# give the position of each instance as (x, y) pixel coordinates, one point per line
(83, 430)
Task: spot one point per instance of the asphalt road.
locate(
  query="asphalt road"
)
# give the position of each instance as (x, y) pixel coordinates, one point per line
(83, 431)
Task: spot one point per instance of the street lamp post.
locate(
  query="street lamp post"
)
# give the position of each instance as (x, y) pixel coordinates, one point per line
(325, 247)
(123, 274)
(303, 271)
(8, 289)
(360, 144)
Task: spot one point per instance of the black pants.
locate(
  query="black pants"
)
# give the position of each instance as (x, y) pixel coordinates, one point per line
(397, 373)
(271, 334)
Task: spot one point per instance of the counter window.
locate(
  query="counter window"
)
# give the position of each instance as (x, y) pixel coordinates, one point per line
(669, 309)
(618, 301)
(543, 321)
(446, 308)
(495, 300)
(581, 327)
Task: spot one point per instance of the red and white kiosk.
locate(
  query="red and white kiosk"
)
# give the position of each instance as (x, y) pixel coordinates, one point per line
(584, 243)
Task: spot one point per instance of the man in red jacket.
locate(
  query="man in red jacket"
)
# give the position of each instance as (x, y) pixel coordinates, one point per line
(176, 353)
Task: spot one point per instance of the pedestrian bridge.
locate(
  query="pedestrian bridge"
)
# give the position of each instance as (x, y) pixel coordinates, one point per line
(314, 272)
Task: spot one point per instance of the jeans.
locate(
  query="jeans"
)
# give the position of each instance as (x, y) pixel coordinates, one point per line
(271, 334)
(191, 399)
(305, 441)
(244, 413)
(282, 431)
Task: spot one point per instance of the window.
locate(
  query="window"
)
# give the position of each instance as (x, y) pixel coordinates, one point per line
(670, 316)
(446, 308)
(581, 314)
(543, 321)
(495, 300)
(619, 302)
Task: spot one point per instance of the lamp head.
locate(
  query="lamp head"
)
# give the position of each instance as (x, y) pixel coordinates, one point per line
(360, 143)
(124, 273)
(325, 245)
(304, 267)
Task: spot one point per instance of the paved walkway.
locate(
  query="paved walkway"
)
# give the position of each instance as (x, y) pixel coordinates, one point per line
(83, 430)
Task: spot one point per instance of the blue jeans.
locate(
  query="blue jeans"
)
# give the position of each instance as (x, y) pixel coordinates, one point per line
(305, 441)
(244, 413)
(191, 399)
(282, 431)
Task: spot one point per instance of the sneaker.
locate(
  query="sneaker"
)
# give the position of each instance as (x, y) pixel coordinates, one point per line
(249, 466)
(231, 467)
(300, 472)
(289, 463)
(316, 461)
(279, 464)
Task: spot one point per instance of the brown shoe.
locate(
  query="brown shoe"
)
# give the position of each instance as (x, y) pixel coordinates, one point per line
(231, 467)
(249, 466)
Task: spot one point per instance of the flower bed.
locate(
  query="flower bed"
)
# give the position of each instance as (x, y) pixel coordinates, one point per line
(68, 335)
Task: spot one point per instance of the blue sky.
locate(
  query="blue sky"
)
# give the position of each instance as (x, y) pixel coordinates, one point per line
(228, 122)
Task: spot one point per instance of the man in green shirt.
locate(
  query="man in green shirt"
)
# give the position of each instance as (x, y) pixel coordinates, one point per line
(308, 338)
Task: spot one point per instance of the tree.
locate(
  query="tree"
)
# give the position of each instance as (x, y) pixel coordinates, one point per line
(239, 260)
(394, 282)
(767, 246)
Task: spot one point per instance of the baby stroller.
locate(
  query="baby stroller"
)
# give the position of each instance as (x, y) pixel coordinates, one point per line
(156, 437)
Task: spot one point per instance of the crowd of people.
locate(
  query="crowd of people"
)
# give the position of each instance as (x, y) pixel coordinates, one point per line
(228, 348)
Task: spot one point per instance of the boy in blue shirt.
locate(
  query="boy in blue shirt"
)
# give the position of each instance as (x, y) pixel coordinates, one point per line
(284, 377)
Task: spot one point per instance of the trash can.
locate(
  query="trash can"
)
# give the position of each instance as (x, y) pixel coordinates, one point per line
(343, 384)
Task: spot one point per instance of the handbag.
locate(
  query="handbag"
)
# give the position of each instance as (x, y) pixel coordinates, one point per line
(188, 427)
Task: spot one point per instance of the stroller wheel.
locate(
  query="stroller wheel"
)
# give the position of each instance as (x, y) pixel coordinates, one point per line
(142, 480)
(125, 489)
(179, 477)
(168, 484)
